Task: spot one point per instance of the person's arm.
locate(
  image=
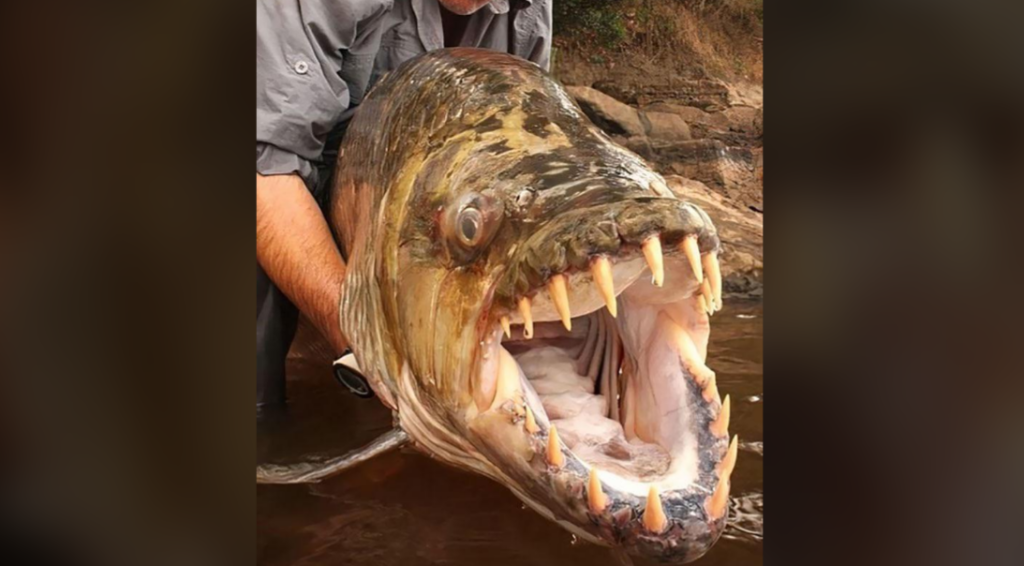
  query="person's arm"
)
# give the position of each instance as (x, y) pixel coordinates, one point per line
(295, 247)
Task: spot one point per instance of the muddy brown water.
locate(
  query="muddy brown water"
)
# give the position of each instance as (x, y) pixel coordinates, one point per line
(405, 509)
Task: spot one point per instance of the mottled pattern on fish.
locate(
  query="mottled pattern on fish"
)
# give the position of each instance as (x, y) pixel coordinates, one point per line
(471, 195)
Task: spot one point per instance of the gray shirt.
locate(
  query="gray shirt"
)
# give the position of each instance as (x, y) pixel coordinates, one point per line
(315, 60)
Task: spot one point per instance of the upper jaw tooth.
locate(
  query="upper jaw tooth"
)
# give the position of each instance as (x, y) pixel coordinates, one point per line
(560, 298)
(527, 314)
(601, 270)
(692, 252)
(652, 252)
(708, 295)
(714, 273)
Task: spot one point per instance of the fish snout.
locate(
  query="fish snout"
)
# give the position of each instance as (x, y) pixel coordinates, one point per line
(642, 227)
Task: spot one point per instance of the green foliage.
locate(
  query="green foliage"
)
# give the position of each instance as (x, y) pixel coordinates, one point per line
(616, 24)
(600, 21)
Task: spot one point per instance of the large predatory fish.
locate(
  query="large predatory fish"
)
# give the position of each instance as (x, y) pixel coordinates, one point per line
(532, 302)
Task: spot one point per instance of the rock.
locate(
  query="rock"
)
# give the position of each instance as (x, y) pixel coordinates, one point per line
(639, 145)
(666, 126)
(729, 170)
(707, 94)
(745, 94)
(609, 114)
(692, 115)
(741, 119)
(740, 230)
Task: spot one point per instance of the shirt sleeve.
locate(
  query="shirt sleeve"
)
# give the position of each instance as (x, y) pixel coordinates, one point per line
(533, 33)
(300, 92)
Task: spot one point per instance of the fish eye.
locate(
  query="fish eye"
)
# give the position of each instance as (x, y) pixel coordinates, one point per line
(469, 226)
(470, 223)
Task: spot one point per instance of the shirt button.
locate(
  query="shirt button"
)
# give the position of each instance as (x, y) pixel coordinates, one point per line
(301, 67)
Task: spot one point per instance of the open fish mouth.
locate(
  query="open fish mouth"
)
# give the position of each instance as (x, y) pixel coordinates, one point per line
(602, 364)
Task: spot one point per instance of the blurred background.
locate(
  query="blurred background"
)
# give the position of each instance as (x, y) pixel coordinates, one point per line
(893, 344)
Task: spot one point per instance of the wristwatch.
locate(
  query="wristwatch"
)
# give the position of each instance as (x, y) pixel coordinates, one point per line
(346, 371)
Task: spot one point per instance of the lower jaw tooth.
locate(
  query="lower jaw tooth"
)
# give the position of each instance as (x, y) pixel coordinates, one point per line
(555, 456)
(531, 422)
(596, 498)
(728, 464)
(654, 516)
(718, 503)
(720, 426)
(711, 389)
(507, 383)
(689, 355)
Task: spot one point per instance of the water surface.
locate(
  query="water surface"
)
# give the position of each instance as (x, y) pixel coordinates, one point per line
(405, 509)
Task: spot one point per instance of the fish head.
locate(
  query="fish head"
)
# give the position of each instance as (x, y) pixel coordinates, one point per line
(534, 303)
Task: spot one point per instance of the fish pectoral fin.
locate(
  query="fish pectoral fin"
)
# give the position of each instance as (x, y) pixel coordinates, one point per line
(314, 471)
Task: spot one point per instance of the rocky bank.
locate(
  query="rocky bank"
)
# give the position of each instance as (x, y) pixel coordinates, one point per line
(705, 136)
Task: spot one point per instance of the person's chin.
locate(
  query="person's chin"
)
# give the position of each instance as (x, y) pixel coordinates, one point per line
(464, 7)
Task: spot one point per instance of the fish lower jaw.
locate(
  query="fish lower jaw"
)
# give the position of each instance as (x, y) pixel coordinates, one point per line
(620, 410)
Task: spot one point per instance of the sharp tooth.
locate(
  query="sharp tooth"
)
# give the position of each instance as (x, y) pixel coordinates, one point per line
(711, 389)
(728, 464)
(560, 296)
(652, 251)
(506, 326)
(690, 356)
(654, 515)
(720, 426)
(693, 254)
(702, 304)
(601, 269)
(718, 503)
(531, 422)
(595, 495)
(687, 348)
(555, 456)
(507, 382)
(714, 271)
(524, 310)
(709, 298)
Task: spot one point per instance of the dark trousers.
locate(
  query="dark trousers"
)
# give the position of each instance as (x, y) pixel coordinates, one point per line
(276, 321)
